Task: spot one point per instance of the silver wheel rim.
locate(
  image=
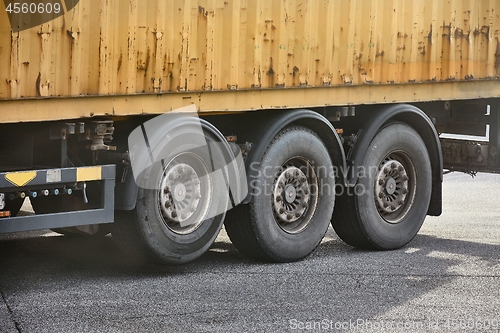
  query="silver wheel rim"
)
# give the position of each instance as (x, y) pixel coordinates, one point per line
(395, 187)
(295, 195)
(184, 189)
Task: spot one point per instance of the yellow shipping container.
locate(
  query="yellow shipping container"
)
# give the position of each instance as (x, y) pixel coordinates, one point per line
(151, 56)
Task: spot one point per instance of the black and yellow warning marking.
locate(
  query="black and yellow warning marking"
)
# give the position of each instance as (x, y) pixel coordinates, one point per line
(19, 179)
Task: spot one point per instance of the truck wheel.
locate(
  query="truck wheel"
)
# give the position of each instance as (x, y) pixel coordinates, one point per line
(293, 199)
(390, 201)
(180, 210)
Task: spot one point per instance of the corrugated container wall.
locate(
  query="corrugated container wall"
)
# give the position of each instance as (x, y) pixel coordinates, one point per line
(107, 47)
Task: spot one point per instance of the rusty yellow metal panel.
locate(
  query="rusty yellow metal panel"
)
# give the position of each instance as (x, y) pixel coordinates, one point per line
(152, 47)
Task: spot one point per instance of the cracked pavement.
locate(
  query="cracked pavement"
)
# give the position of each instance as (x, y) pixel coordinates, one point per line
(448, 275)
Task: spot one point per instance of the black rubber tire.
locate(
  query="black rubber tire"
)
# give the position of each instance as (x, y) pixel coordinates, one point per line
(14, 206)
(144, 232)
(255, 228)
(357, 219)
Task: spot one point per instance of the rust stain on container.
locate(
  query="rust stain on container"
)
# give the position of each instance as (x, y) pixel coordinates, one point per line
(497, 56)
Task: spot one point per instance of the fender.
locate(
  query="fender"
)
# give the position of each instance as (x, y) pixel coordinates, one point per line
(145, 143)
(417, 119)
(260, 128)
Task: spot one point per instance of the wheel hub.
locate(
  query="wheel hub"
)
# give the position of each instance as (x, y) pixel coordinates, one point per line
(391, 188)
(180, 193)
(291, 195)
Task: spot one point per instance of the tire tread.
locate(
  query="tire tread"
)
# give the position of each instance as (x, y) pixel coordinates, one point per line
(240, 221)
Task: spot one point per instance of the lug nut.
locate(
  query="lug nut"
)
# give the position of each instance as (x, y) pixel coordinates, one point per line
(393, 165)
(174, 214)
(381, 195)
(297, 214)
(279, 198)
(282, 210)
(401, 202)
(381, 182)
(393, 207)
(405, 178)
(400, 168)
(289, 216)
(387, 170)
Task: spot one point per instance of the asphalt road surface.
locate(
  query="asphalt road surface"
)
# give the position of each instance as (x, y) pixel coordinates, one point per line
(446, 279)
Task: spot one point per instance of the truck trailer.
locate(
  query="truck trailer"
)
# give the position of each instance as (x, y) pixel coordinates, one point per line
(161, 120)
